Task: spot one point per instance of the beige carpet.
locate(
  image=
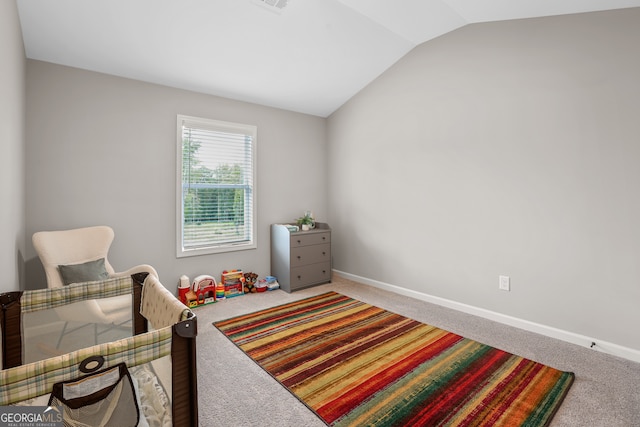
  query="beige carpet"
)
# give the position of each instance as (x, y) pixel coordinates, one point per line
(234, 391)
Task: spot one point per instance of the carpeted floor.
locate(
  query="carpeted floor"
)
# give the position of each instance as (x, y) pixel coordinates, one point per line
(234, 391)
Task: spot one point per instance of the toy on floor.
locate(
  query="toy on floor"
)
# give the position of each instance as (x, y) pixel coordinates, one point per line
(250, 282)
(233, 282)
(267, 284)
(184, 286)
(261, 286)
(272, 283)
(202, 291)
(219, 291)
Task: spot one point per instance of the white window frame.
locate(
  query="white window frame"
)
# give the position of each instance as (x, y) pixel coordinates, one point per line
(217, 126)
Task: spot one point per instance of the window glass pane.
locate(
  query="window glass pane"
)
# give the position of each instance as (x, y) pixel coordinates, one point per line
(216, 191)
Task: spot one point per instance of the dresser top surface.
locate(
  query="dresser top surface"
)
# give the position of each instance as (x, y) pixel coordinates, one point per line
(319, 228)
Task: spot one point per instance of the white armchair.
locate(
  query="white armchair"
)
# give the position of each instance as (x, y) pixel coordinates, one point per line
(79, 246)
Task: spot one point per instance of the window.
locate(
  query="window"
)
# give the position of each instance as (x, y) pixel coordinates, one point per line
(216, 186)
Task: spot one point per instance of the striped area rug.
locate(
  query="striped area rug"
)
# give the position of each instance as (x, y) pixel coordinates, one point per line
(355, 364)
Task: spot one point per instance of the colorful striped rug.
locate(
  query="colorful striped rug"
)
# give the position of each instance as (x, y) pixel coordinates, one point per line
(355, 364)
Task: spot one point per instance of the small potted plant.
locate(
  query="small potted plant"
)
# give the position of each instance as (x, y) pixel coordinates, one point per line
(306, 222)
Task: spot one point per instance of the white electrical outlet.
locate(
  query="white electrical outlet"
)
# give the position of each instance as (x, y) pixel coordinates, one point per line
(504, 284)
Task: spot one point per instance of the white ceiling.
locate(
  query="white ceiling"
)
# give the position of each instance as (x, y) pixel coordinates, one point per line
(310, 56)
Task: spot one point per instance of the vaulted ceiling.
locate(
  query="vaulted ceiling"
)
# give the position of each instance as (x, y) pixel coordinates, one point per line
(309, 56)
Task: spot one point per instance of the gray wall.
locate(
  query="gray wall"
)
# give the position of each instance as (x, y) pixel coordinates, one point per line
(12, 141)
(507, 148)
(501, 148)
(102, 150)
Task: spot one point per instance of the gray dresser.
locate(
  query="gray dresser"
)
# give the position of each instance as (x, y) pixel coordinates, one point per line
(301, 259)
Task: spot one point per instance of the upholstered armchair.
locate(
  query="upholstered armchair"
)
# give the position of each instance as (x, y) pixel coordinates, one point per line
(80, 255)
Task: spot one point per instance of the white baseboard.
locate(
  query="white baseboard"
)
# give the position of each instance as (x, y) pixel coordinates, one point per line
(571, 337)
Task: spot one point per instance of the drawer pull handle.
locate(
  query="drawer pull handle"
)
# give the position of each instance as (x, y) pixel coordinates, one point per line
(299, 277)
(324, 253)
(298, 256)
(298, 240)
(324, 238)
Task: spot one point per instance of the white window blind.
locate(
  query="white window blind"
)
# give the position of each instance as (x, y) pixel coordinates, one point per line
(216, 186)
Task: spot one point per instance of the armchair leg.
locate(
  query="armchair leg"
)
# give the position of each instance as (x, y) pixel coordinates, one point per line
(62, 334)
(95, 330)
(66, 331)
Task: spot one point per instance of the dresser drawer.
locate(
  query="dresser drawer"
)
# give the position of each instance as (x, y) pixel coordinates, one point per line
(309, 238)
(313, 254)
(310, 274)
